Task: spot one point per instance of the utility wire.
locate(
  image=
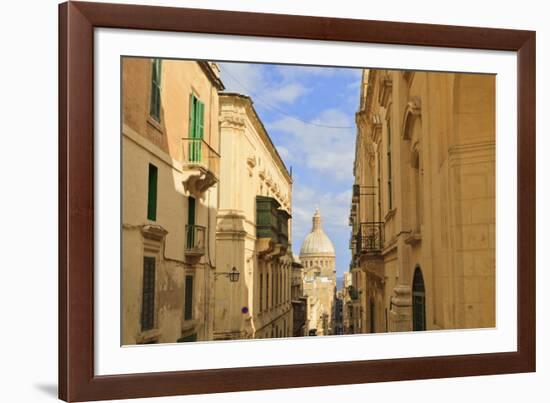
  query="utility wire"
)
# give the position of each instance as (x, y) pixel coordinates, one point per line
(260, 100)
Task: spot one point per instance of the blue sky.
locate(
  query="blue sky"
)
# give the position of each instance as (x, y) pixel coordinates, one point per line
(309, 113)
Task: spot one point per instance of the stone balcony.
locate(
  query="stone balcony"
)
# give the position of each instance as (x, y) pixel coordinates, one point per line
(195, 241)
(201, 166)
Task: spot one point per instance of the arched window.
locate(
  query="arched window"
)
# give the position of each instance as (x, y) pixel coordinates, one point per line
(419, 301)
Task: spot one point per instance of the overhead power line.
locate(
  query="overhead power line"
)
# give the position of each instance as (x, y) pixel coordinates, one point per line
(277, 109)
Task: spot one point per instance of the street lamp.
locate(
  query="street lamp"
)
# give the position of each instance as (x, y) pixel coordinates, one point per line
(233, 274)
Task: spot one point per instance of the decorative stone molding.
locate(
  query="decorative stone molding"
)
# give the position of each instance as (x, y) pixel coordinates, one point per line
(414, 238)
(197, 179)
(251, 161)
(153, 236)
(232, 120)
(401, 305)
(415, 155)
(384, 91)
(371, 155)
(408, 75)
(376, 128)
(412, 111)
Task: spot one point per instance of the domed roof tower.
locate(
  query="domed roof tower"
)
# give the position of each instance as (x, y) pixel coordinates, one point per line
(317, 243)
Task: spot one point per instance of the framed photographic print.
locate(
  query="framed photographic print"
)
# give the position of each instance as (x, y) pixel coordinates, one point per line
(257, 201)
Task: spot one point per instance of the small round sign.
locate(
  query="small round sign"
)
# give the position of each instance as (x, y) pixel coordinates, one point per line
(244, 309)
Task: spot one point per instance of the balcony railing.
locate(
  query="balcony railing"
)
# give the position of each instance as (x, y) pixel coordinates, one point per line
(370, 237)
(197, 152)
(195, 236)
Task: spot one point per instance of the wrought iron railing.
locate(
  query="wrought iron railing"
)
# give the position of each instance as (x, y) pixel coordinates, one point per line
(195, 237)
(199, 152)
(370, 237)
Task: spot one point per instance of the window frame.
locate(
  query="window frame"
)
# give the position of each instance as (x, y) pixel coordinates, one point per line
(156, 89)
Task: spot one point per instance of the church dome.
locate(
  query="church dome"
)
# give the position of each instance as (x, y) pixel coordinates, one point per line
(317, 242)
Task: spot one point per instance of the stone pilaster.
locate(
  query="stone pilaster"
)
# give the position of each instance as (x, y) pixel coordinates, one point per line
(401, 309)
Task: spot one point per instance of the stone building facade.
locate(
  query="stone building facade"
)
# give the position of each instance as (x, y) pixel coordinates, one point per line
(253, 229)
(423, 207)
(170, 171)
(318, 258)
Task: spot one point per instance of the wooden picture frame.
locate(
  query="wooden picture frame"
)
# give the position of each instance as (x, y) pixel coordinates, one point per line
(77, 22)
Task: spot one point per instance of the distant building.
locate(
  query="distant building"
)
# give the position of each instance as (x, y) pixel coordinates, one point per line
(253, 233)
(338, 313)
(423, 207)
(299, 301)
(170, 171)
(318, 258)
(347, 308)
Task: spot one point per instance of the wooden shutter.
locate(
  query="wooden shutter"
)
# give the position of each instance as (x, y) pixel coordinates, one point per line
(192, 100)
(196, 128)
(152, 193)
(156, 68)
(200, 119)
(148, 296)
(188, 315)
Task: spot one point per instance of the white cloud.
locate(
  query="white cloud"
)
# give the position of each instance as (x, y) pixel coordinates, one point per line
(236, 76)
(287, 93)
(252, 80)
(284, 153)
(327, 150)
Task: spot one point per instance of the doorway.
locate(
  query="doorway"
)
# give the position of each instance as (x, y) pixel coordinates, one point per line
(419, 301)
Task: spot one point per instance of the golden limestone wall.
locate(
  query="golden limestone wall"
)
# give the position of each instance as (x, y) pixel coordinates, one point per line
(426, 149)
(259, 305)
(149, 141)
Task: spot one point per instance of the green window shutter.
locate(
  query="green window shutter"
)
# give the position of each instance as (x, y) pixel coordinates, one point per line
(192, 104)
(148, 295)
(194, 146)
(200, 128)
(200, 119)
(152, 193)
(156, 70)
(188, 314)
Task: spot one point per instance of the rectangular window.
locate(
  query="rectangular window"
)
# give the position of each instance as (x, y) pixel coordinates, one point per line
(188, 314)
(152, 193)
(281, 287)
(390, 196)
(261, 292)
(196, 128)
(191, 223)
(273, 288)
(148, 300)
(154, 108)
(267, 291)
